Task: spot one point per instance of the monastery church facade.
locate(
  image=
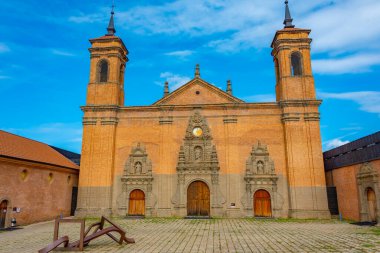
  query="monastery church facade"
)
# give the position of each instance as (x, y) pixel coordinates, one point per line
(200, 151)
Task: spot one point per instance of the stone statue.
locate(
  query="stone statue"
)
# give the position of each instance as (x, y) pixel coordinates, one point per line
(198, 154)
(260, 167)
(138, 168)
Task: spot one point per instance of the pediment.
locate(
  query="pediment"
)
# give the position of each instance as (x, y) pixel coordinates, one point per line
(198, 91)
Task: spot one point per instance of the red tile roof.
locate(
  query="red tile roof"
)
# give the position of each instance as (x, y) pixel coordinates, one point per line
(23, 148)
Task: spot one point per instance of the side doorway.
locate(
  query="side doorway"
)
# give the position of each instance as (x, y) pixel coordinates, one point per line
(262, 204)
(136, 203)
(371, 203)
(3, 213)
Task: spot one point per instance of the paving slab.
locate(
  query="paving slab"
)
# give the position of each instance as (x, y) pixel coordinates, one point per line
(169, 235)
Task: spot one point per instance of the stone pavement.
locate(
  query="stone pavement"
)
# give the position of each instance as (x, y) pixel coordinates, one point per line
(215, 235)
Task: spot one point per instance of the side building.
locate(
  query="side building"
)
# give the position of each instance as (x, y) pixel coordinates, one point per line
(353, 170)
(37, 182)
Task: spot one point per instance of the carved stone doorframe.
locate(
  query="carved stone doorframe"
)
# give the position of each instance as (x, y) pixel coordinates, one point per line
(259, 175)
(137, 176)
(198, 160)
(367, 177)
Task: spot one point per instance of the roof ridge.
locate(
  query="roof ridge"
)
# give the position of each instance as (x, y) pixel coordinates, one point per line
(204, 82)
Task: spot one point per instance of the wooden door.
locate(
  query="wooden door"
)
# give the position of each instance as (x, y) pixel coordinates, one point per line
(198, 199)
(3, 213)
(136, 203)
(262, 204)
(371, 200)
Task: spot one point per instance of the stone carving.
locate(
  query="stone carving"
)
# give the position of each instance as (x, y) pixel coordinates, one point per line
(259, 162)
(197, 160)
(367, 178)
(198, 153)
(138, 162)
(260, 174)
(137, 175)
(138, 168)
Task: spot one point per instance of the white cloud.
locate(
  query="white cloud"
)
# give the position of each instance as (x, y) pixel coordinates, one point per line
(350, 64)
(4, 48)
(91, 18)
(61, 53)
(175, 81)
(261, 98)
(338, 27)
(345, 25)
(369, 101)
(334, 143)
(62, 135)
(183, 54)
(353, 128)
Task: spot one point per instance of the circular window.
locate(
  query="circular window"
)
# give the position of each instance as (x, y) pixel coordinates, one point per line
(197, 92)
(197, 132)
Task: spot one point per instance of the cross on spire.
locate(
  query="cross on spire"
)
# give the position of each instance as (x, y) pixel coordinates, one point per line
(111, 25)
(288, 18)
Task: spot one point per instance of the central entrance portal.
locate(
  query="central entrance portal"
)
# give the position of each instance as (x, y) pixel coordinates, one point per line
(198, 199)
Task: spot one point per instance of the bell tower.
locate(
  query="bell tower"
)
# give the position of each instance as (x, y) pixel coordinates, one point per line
(107, 67)
(291, 55)
(105, 96)
(295, 94)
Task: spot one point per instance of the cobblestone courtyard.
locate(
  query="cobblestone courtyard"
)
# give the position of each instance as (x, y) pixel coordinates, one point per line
(216, 235)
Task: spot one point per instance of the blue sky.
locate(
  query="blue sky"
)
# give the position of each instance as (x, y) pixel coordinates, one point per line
(44, 62)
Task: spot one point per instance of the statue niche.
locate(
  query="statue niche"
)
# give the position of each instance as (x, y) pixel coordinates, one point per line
(138, 162)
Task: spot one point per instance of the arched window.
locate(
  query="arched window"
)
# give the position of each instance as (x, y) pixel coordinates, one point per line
(103, 71)
(296, 59)
(277, 69)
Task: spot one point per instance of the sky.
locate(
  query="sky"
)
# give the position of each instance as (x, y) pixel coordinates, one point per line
(44, 61)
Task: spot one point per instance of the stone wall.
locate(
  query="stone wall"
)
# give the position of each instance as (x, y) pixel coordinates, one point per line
(41, 192)
(352, 206)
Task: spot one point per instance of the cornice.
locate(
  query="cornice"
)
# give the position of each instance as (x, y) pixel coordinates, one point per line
(100, 108)
(300, 103)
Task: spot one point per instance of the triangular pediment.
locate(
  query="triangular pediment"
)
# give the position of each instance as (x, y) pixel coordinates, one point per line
(196, 92)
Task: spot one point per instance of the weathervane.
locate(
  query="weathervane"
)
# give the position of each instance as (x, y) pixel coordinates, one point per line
(288, 18)
(111, 26)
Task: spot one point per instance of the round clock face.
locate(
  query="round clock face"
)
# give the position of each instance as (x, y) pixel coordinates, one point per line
(197, 132)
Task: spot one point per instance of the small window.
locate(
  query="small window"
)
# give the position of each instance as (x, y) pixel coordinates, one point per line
(103, 71)
(296, 64)
(277, 69)
(24, 175)
(50, 178)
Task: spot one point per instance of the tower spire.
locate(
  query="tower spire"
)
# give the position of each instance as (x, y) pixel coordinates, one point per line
(111, 26)
(288, 18)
